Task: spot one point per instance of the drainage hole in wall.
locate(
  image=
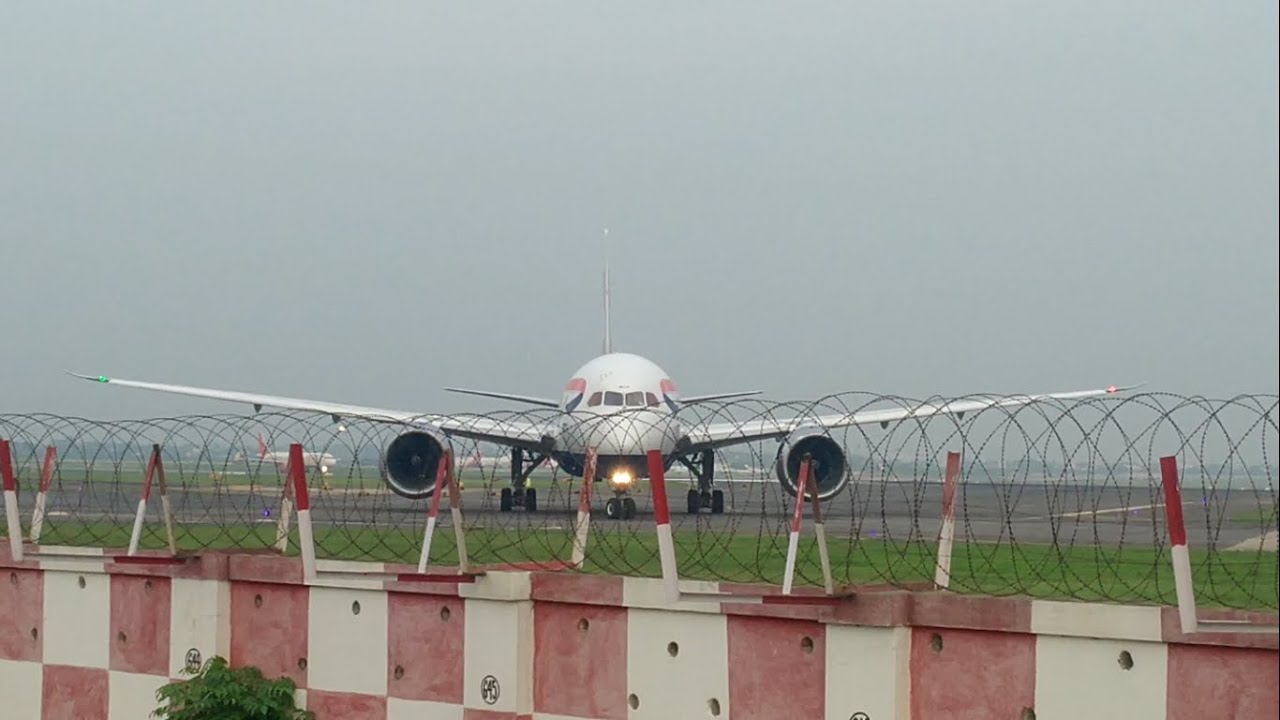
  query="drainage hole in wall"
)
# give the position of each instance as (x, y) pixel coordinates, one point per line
(935, 642)
(633, 701)
(302, 663)
(444, 613)
(714, 706)
(257, 601)
(35, 634)
(673, 648)
(583, 624)
(1126, 660)
(122, 637)
(355, 608)
(399, 673)
(1028, 714)
(806, 644)
(80, 581)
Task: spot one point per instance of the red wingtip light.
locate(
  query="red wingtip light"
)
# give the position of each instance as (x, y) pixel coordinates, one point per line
(1111, 389)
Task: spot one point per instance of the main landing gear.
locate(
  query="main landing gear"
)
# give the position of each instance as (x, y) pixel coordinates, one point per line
(703, 496)
(518, 495)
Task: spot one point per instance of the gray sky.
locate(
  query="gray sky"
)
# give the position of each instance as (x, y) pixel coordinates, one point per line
(364, 203)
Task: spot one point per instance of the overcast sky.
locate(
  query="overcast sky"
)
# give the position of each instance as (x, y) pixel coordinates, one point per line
(364, 202)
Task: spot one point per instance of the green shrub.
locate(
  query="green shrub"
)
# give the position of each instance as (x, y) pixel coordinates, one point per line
(218, 692)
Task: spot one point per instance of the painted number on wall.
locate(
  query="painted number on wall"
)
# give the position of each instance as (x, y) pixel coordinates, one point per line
(489, 689)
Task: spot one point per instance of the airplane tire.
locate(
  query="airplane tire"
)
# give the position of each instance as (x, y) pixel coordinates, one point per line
(504, 500)
(612, 508)
(695, 503)
(706, 498)
(717, 502)
(531, 500)
(628, 508)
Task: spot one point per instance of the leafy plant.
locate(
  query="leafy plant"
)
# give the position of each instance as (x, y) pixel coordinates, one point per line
(219, 692)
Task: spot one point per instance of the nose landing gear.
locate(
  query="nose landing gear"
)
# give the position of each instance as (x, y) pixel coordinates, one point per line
(620, 507)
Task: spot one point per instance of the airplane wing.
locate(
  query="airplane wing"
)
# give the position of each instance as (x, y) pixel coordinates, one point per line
(724, 434)
(523, 433)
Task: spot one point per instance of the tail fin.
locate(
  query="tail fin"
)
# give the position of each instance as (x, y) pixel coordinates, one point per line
(608, 325)
(262, 446)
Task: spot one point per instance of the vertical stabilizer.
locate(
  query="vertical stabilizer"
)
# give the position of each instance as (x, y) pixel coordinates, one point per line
(608, 325)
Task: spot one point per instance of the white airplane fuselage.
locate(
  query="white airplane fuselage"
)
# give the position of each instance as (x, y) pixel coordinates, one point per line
(320, 462)
(621, 406)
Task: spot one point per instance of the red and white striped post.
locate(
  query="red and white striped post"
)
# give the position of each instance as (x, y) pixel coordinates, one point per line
(1178, 541)
(286, 510)
(584, 510)
(455, 511)
(946, 536)
(46, 479)
(662, 519)
(819, 532)
(442, 477)
(793, 540)
(306, 538)
(820, 536)
(155, 472)
(11, 500)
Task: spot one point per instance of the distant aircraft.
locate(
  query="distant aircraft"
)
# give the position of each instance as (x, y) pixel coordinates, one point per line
(321, 462)
(622, 405)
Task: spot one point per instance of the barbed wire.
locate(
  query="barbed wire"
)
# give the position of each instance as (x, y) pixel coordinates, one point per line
(1056, 498)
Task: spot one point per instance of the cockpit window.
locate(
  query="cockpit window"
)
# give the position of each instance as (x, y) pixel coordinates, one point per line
(595, 399)
(635, 399)
(613, 399)
(650, 399)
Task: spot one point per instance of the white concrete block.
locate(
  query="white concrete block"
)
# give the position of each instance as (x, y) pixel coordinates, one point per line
(680, 686)
(868, 671)
(347, 641)
(1086, 678)
(199, 620)
(77, 620)
(498, 656)
(22, 689)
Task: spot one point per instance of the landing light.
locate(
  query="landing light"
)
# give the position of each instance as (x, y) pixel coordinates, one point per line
(620, 480)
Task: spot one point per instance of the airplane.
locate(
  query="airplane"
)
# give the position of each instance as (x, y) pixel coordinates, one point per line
(321, 462)
(622, 405)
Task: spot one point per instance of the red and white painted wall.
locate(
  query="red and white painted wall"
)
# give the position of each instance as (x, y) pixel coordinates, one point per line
(95, 635)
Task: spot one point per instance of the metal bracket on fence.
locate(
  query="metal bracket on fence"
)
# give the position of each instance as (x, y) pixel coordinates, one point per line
(445, 478)
(667, 552)
(155, 471)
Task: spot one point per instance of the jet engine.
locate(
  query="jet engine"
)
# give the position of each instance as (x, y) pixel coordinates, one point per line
(828, 464)
(411, 462)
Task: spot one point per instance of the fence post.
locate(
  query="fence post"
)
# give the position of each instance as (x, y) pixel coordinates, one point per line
(46, 479)
(584, 510)
(442, 477)
(946, 536)
(306, 538)
(662, 519)
(1182, 583)
(11, 500)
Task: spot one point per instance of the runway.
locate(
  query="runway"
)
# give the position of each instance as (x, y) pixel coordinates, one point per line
(1065, 515)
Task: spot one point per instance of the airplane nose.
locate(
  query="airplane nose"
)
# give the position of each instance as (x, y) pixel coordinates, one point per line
(634, 433)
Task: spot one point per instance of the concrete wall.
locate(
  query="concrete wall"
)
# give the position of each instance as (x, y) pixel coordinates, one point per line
(94, 637)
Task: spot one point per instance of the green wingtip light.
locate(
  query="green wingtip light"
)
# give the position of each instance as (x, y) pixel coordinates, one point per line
(103, 378)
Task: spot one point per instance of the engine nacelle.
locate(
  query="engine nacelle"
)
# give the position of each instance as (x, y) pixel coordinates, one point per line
(828, 463)
(411, 462)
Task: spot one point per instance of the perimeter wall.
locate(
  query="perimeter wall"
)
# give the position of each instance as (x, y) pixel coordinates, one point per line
(94, 635)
